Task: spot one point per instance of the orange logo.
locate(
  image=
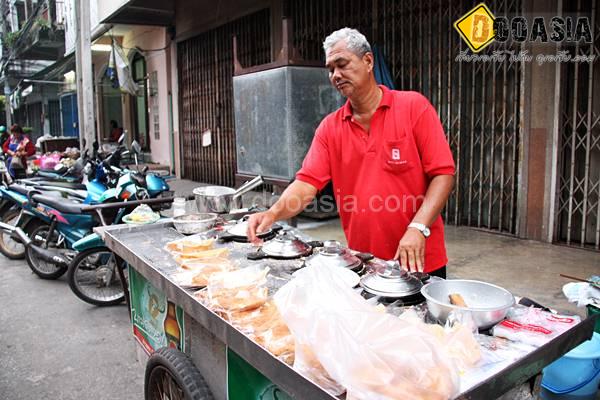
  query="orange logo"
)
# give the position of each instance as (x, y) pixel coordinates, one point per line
(476, 27)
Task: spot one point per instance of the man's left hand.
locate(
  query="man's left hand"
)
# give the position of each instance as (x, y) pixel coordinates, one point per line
(411, 251)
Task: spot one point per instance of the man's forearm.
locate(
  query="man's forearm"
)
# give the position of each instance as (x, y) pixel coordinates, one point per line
(293, 200)
(436, 197)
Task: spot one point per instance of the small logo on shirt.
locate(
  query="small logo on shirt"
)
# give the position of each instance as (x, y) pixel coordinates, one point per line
(396, 154)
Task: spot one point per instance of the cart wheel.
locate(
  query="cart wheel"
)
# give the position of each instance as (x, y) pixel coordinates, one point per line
(171, 374)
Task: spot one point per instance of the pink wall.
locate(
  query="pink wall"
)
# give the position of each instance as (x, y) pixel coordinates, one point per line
(151, 38)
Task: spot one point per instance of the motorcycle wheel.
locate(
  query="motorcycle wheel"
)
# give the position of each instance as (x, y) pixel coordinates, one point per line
(9, 247)
(93, 277)
(41, 268)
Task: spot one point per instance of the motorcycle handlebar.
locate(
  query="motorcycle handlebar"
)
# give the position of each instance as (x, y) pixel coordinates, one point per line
(122, 204)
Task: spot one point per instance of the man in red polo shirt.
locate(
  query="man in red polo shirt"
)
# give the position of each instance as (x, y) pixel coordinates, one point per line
(388, 159)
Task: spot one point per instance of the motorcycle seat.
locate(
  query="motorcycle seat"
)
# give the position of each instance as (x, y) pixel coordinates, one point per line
(24, 190)
(67, 185)
(59, 171)
(62, 205)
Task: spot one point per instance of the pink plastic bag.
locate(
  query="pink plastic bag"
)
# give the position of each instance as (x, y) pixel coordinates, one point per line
(49, 161)
(344, 343)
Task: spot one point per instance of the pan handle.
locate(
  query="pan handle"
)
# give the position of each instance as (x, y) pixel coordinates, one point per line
(365, 257)
(315, 243)
(248, 186)
(258, 255)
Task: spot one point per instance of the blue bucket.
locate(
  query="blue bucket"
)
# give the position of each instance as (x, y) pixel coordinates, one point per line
(577, 373)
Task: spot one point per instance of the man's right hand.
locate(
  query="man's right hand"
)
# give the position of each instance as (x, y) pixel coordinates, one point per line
(259, 222)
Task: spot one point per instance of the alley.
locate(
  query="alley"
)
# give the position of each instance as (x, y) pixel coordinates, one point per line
(54, 346)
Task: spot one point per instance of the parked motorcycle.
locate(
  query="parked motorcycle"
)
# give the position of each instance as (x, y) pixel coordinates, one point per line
(14, 199)
(94, 274)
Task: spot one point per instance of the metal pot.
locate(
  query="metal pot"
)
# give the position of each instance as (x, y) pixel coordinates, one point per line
(223, 199)
(487, 303)
(284, 246)
(392, 282)
(194, 223)
(335, 255)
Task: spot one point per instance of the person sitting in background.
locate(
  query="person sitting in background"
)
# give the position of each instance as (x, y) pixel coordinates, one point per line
(18, 147)
(115, 131)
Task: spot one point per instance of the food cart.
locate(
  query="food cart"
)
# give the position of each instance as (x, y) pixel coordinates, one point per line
(224, 361)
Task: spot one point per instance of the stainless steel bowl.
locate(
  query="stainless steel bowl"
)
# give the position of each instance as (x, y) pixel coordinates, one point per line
(216, 199)
(487, 303)
(194, 223)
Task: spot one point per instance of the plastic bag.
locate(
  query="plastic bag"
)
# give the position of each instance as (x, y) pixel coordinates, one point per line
(197, 273)
(533, 326)
(190, 244)
(342, 342)
(583, 293)
(239, 290)
(266, 327)
(195, 249)
(49, 161)
(142, 214)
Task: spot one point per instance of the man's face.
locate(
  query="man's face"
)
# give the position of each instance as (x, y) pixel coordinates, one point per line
(348, 72)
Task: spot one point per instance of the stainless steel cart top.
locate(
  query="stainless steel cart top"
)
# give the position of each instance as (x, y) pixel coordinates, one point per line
(142, 247)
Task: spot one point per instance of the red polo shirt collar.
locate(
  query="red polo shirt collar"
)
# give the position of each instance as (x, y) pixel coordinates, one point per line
(386, 102)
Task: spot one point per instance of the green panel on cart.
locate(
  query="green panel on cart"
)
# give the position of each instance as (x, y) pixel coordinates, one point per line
(244, 382)
(157, 322)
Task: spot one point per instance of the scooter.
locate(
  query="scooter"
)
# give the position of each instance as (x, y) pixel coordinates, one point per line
(14, 196)
(66, 222)
(96, 177)
(95, 276)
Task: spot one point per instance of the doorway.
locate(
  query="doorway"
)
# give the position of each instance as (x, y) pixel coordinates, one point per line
(140, 102)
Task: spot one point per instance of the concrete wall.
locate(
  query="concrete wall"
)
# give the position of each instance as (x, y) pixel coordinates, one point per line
(174, 89)
(106, 7)
(539, 113)
(153, 38)
(70, 27)
(70, 20)
(194, 17)
(41, 94)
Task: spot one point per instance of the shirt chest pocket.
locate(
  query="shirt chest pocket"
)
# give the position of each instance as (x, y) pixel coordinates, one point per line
(396, 156)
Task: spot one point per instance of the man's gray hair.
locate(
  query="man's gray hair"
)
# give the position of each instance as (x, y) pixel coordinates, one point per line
(355, 41)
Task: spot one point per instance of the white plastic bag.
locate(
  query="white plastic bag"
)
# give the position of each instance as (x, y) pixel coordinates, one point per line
(342, 342)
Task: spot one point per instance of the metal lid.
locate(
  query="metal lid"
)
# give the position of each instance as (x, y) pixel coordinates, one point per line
(393, 281)
(241, 227)
(286, 245)
(334, 254)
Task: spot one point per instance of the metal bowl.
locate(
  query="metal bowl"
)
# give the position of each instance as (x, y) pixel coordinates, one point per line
(194, 223)
(487, 303)
(216, 199)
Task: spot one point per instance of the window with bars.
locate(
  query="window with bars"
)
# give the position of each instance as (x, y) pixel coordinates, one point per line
(206, 93)
(578, 186)
(54, 117)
